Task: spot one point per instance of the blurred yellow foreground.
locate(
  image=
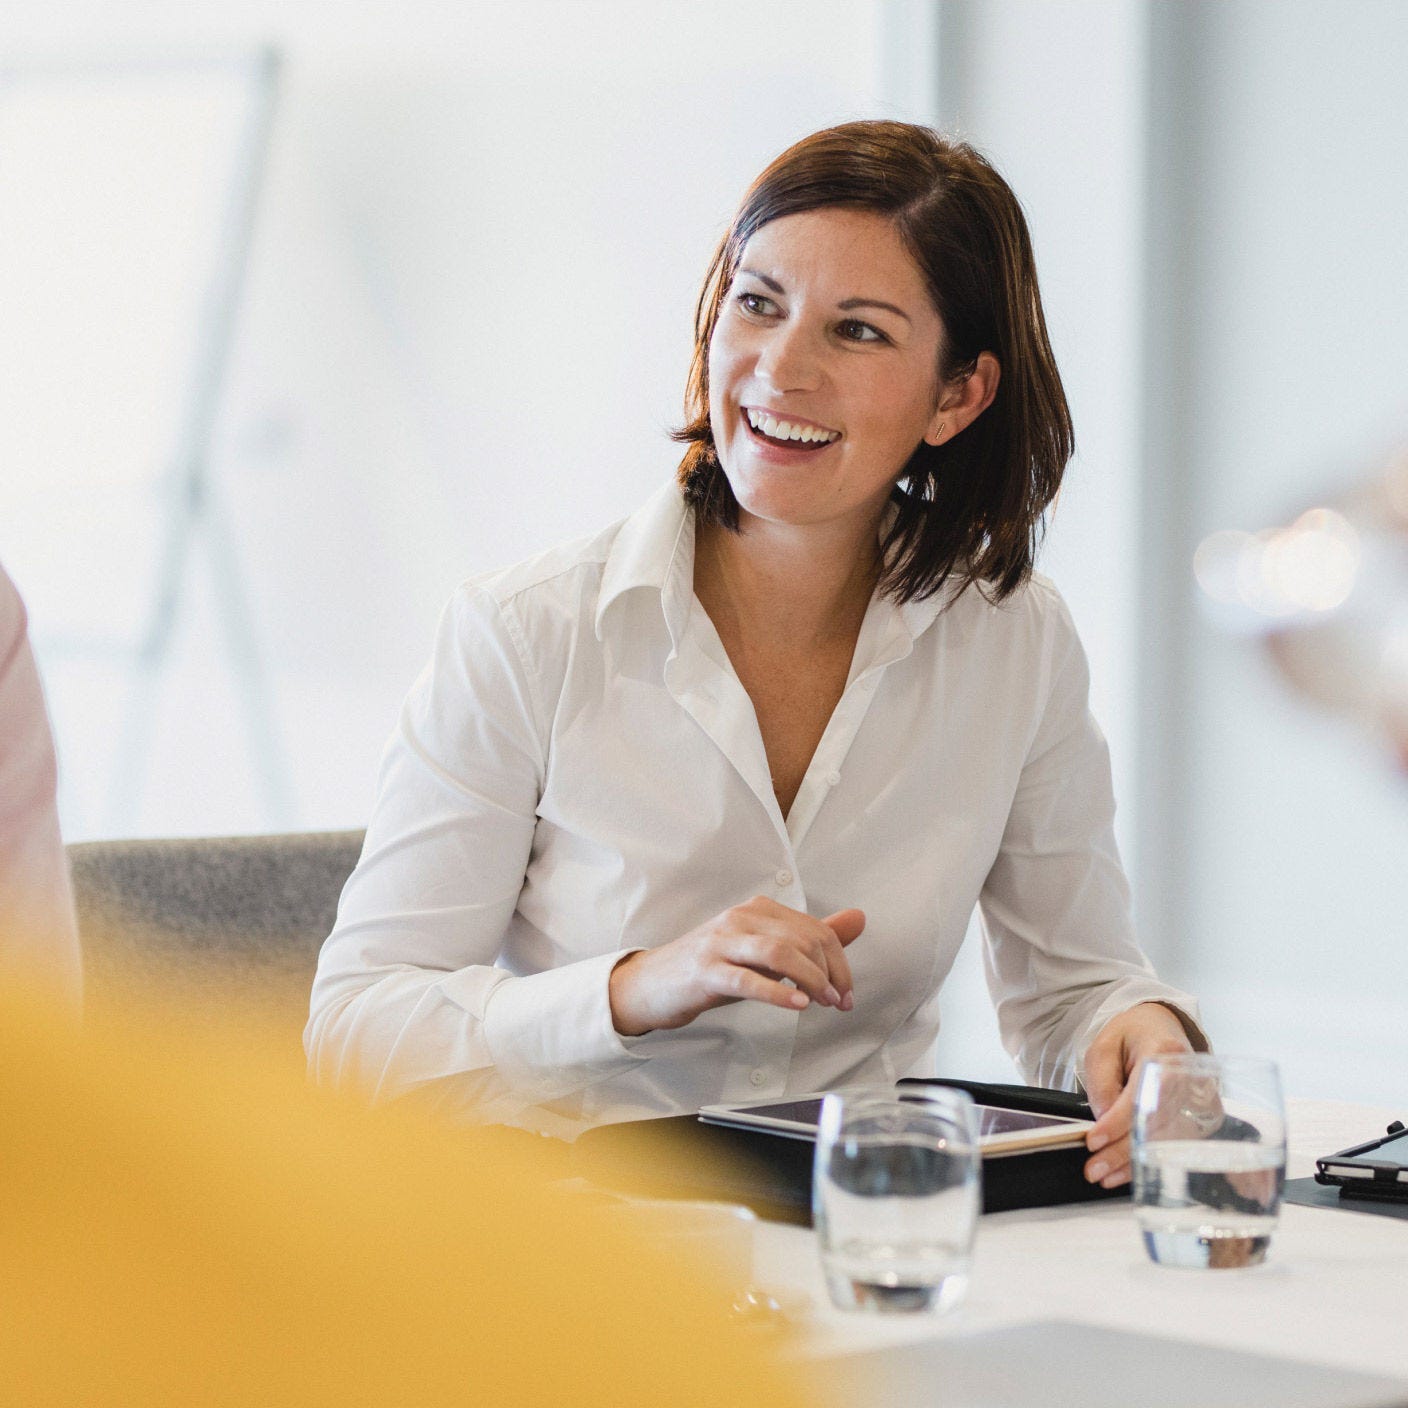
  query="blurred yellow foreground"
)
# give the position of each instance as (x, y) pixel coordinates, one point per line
(183, 1222)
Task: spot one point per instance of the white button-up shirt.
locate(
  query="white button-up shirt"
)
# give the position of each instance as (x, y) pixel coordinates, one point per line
(579, 773)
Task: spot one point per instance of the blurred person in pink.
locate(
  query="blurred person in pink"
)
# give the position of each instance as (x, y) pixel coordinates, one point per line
(38, 930)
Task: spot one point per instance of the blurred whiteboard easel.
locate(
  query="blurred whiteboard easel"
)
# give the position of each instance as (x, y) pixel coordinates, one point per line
(125, 231)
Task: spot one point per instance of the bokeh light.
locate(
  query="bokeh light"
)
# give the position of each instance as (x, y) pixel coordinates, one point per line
(1309, 567)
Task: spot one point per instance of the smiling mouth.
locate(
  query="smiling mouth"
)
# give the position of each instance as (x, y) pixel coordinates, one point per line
(788, 434)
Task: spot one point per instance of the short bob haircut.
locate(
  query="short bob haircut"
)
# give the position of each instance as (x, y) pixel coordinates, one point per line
(972, 509)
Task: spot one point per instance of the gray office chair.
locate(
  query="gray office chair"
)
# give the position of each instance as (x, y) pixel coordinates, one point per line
(213, 921)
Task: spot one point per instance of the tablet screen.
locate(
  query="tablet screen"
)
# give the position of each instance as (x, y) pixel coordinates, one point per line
(1393, 1151)
(991, 1120)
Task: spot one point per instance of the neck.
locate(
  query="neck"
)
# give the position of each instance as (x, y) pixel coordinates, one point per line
(804, 585)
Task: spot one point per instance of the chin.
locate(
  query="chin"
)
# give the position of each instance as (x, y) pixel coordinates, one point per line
(790, 510)
(784, 499)
(771, 502)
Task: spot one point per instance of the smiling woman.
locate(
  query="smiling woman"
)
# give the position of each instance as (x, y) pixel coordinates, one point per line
(799, 381)
(932, 222)
(698, 810)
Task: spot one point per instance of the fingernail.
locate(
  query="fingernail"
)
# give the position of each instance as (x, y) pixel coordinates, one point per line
(848, 1002)
(1115, 1179)
(833, 998)
(799, 999)
(1096, 1141)
(1097, 1171)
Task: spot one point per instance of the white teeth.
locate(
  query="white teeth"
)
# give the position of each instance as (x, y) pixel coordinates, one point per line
(785, 430)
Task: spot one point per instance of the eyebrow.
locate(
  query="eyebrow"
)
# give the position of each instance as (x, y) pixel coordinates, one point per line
(847, 305)
(850, 303)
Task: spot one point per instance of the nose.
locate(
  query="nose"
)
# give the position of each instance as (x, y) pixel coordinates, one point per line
(790, 359)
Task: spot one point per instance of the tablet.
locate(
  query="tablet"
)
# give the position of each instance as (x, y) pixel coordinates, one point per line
(999, 1131)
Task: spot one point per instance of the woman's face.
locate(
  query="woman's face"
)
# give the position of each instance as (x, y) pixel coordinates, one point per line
(823, 368)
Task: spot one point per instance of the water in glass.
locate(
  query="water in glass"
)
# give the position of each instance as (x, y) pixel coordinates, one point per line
(896, 1210)
(1208, 1150)
(1208, 1203)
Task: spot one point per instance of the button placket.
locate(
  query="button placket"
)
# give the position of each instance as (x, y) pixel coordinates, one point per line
(836, 741)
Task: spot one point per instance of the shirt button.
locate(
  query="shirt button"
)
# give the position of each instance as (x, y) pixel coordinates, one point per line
(833, 778)
(757, 1077)
(783, 877)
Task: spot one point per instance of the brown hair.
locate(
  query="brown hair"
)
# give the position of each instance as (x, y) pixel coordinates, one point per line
(974, 505)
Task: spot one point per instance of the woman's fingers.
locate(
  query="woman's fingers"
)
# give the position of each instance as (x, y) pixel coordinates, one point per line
(1115, 1122)
(1108, 1141)
(819, 966)
(1107, 1072)
(842, 928)
(786, 956)
(846, 924)
(1112, 1097)
(759, 951)
(732, 982)
(1110, 1167)
(1111, 1068)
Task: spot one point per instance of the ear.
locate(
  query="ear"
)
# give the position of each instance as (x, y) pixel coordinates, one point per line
(963, 401)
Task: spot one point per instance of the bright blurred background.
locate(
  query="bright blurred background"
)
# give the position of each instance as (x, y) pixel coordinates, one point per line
(308, 311)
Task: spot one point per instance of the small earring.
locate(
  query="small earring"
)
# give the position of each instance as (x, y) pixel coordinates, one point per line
(938, 435)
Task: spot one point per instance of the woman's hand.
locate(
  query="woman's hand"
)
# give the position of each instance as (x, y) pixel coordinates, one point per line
(743, 953)
(1150, 1029)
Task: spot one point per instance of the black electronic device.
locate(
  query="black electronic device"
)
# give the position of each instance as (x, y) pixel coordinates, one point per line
(1378, 1169)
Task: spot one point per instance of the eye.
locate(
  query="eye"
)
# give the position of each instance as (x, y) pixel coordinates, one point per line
(756, 303)
(853, 330)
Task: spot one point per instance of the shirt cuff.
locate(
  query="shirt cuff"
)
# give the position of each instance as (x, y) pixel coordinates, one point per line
(551, 1033)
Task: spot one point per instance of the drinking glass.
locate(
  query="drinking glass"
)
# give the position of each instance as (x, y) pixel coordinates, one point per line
(718, 1239)
(896, 1192)
(1209, 1155)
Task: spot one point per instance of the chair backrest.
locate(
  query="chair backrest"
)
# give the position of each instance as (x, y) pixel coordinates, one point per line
(217, 920)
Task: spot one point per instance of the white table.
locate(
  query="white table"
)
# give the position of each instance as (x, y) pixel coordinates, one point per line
(1333, 1291)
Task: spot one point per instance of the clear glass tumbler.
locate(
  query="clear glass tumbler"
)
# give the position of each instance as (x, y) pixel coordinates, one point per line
(896, 1193)
(1209, 1156)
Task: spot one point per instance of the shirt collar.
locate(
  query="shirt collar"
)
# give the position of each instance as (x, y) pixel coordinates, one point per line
(918, 616)
(908, 620)
(655, 548)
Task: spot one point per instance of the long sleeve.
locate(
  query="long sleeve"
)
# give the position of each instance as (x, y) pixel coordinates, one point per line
(1061, 957)
(407, 991)
(38, 931)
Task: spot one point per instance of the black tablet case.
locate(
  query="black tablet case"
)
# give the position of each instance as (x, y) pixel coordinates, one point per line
(683, 1157)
